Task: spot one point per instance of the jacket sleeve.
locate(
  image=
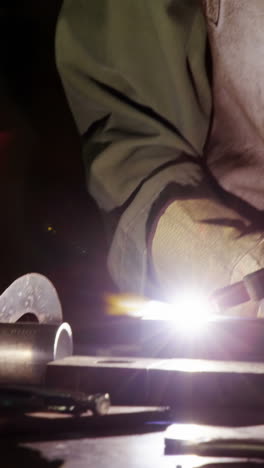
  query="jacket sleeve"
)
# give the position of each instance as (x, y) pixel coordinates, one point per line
(135, 76)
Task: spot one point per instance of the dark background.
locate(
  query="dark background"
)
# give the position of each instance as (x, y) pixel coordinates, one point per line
(49, 222)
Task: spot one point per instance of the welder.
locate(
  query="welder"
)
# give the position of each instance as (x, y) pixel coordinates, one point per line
(168, 99)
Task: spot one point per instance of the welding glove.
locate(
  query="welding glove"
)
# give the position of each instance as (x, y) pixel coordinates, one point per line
(202, 244)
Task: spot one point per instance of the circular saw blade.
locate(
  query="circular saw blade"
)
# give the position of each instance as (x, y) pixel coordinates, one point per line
(31, 294)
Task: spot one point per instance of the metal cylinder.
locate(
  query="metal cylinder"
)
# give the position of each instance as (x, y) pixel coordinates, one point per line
(26, 348)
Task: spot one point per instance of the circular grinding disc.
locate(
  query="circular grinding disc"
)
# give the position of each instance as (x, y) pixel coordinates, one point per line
(34, 296)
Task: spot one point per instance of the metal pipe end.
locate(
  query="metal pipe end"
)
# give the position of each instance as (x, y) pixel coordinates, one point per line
(63, 343)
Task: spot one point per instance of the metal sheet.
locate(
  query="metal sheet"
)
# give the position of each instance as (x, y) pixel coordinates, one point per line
(180, 383)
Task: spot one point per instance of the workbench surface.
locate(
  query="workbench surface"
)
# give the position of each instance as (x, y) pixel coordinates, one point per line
(124, 442)
(130, 451)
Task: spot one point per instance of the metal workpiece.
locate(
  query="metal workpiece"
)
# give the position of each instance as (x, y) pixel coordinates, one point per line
(26, 348)
(31, 297)
(176, 383)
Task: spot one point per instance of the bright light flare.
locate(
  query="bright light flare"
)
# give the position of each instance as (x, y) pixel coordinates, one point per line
(189, 313)
(190, 432)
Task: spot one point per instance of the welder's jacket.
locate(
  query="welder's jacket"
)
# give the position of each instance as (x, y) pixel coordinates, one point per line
(166, 150)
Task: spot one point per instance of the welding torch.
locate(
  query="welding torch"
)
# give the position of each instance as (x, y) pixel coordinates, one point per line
(251, 288)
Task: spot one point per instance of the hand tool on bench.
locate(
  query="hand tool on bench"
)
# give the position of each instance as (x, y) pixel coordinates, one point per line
(32, 399)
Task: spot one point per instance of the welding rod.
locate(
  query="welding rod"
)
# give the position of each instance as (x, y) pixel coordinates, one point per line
(250, 288)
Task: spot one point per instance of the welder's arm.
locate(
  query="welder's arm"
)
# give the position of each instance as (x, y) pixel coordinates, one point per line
(142, 103)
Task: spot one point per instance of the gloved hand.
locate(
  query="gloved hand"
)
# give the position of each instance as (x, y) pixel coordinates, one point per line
(198, 244)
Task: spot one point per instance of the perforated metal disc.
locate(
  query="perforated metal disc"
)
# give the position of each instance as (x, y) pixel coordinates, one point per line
(34, 296)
